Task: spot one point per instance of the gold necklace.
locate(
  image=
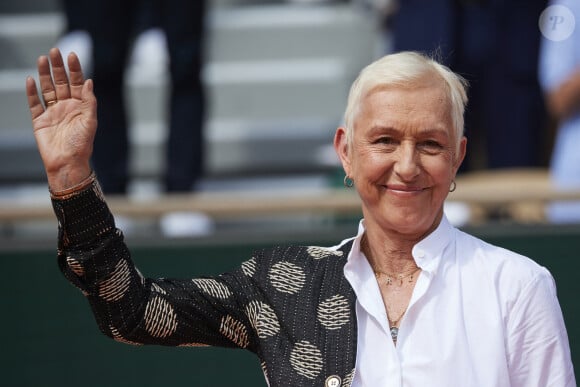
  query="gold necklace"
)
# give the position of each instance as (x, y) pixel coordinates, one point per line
(393, 325)
(390, 277)
(399, 277)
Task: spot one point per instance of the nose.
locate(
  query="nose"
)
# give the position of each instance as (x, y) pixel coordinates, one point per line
(407, 165)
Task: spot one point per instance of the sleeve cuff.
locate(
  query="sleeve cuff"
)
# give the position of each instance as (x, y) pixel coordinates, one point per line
(83, 216)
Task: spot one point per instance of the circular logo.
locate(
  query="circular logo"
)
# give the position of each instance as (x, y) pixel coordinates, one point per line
(557, 23)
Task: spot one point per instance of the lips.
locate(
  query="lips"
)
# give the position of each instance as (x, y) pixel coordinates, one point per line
(404, 189)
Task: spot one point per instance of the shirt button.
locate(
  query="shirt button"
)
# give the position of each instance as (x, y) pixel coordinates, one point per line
(332, 381)
(420, 254)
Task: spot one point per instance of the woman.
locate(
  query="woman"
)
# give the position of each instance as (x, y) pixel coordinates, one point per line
(408, 301)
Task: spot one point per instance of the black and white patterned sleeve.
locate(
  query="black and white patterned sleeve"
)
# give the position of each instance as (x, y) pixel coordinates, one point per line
(133, 309)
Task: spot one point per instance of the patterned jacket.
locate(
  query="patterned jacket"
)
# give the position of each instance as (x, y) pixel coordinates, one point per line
(291, 306)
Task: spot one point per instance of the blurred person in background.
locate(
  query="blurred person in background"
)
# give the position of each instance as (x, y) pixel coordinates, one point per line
(494, 44)
(408, 301)
(113, 27)
(559, 74)
(75, 36)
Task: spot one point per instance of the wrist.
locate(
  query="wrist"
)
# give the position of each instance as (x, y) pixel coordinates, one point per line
(69, 186)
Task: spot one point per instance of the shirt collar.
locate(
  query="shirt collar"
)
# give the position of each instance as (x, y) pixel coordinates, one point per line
(427, 252)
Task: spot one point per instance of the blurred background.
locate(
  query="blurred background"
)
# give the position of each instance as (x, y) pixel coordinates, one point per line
(275, 76)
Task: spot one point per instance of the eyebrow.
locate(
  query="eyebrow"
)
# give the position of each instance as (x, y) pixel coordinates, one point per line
(379, 129)
(435, 131)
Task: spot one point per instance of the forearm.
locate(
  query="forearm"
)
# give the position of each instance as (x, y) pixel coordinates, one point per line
(564, 101)
(93, 257)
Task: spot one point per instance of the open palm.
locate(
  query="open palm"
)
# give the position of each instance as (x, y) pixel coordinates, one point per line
(65, 124)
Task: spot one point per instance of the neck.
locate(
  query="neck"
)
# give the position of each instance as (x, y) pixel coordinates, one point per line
(390, 251)
(386, 257)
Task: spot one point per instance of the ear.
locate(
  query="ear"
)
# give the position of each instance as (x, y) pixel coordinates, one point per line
(460, 155)
(341, 147)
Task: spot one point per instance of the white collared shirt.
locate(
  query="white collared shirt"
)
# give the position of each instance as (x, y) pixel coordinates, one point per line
(479, 316)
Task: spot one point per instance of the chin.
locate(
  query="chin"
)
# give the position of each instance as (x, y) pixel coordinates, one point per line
(411, 229)
(411, 225)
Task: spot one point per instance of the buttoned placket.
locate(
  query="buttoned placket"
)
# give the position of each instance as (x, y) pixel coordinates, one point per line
(369, 301)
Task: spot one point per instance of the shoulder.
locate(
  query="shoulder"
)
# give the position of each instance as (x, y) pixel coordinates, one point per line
(302, 254)
(502, 276)
(503, 266)
(290, 267)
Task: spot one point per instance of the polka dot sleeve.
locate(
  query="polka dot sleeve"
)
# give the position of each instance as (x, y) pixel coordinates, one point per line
(291, 305)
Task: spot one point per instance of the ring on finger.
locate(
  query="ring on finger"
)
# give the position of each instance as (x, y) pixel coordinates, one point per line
(50, 103)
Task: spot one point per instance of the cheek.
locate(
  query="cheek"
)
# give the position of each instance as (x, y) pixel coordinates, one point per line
(360, 157)
(374, 165)
(440, 169)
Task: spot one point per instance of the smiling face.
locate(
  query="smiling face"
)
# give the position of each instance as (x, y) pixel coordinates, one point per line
(403, 157)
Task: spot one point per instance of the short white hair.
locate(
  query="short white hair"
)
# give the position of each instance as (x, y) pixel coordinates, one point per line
(406, 69)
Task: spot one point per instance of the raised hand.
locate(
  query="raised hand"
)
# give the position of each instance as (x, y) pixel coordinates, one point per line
(64, 119)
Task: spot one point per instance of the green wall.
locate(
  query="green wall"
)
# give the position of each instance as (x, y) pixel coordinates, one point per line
(49, 338)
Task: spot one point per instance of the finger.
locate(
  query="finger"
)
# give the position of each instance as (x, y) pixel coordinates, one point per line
(45, 79)
(76, 75)
(34, 104)
(89, 100)
(59, 74)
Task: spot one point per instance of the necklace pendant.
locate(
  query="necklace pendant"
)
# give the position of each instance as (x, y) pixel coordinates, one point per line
(394, 334)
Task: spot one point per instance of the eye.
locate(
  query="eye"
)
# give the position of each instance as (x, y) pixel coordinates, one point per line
(385, 140)
(431, 146)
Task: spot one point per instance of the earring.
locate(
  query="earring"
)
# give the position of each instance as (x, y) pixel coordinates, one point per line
(348, 181)
(453, 186)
